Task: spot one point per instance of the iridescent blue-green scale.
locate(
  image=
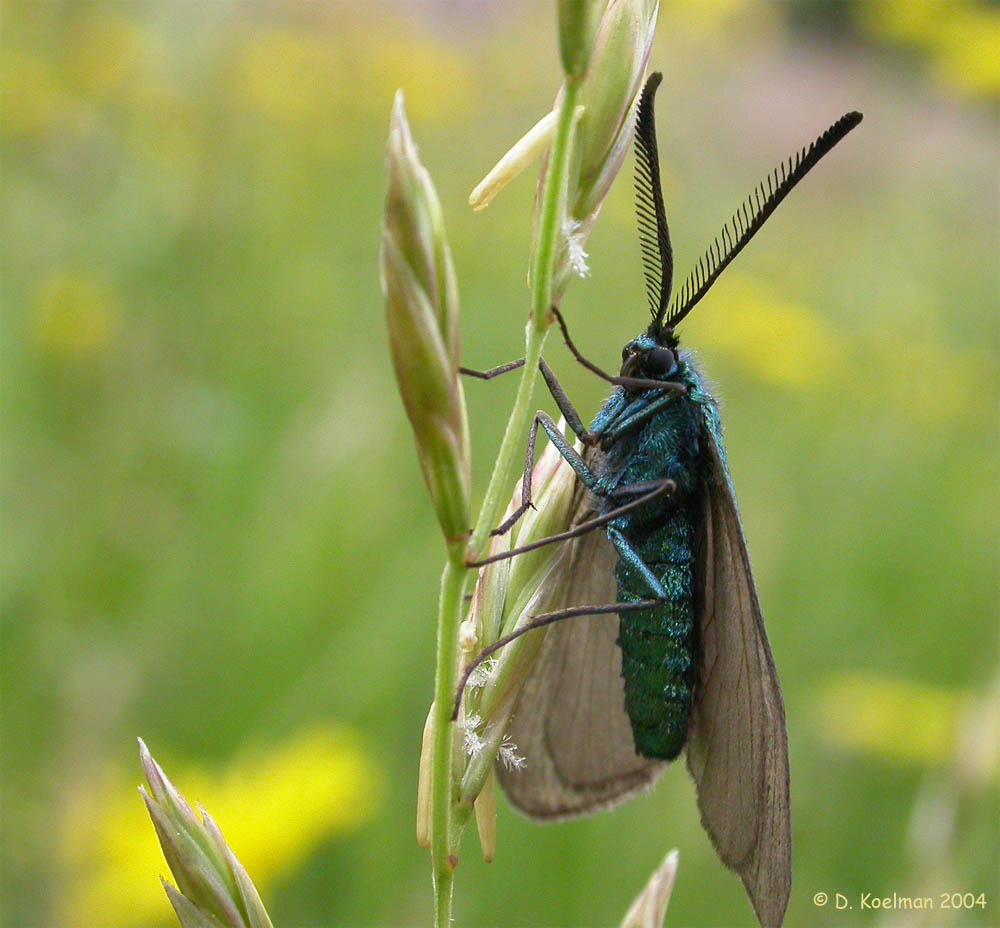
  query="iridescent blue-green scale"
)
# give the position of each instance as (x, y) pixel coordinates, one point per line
(658, 643)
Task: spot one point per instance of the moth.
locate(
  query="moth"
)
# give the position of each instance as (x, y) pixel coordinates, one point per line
(657, 643)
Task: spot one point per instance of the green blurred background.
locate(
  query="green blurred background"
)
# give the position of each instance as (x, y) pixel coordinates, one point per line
(215, 533)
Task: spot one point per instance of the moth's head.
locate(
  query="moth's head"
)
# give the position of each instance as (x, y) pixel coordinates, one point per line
(651, 356)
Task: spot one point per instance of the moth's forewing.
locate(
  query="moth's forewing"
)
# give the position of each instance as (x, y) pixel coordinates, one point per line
(737, 747)
(570, 724)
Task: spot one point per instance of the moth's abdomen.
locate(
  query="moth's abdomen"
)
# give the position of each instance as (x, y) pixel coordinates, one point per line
(658, 643)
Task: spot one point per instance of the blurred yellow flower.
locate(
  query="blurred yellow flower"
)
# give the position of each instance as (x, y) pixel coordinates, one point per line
(434, 75)
(968, 51)
(931, 382)
(274, 807)
(892, 718)
(290, 74)
(297, 76)
(703, 17)
(107, 52)
(30, 92)
(787, 344)
(961, 38)
(771, 338)
(74, 314)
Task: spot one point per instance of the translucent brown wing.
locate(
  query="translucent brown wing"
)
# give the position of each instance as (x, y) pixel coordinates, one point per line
(570, 724)
(737, 746)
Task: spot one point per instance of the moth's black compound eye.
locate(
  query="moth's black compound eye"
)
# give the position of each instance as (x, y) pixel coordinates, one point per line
(627, 352)
(660, 362)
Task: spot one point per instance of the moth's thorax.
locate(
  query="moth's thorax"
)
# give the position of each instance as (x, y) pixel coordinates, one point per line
(624, 403)
(651, 435)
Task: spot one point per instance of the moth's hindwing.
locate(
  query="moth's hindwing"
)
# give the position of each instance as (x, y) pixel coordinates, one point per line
(738, 747)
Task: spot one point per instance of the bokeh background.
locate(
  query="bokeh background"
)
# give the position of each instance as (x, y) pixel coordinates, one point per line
(215, 533)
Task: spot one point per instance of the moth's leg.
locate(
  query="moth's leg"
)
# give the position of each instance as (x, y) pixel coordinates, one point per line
(555, 388)
(537, 622)
(638, 418)
(493, 371)
(631, 557)
(630, 489)
(573, 419)
(632, 383)
(558, 394)
(650, 491)
(585, 474)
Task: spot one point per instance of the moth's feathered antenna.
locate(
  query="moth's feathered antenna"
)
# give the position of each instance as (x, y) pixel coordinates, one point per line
(751, 216)
(654, 238)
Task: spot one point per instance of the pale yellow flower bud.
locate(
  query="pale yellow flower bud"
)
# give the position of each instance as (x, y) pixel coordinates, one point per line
(521, 155)
(604, 120)
(486, 819)
(424, 782)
